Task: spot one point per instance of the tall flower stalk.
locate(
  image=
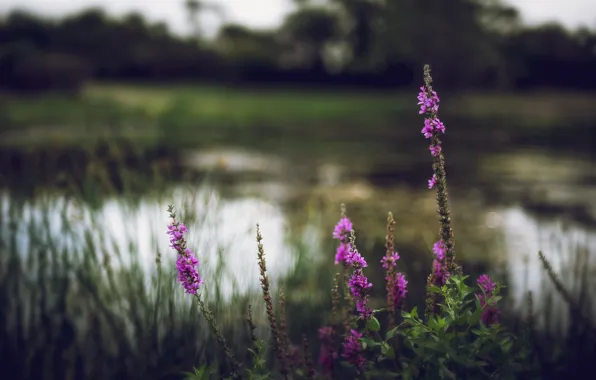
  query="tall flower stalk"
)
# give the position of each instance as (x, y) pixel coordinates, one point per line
(265, 286)
(395, 282)
(428, 100)
(342, 233)
(444, 251)
(188, 275)
(358, 282)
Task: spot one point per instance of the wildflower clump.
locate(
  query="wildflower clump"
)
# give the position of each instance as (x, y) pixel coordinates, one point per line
(327, 353)
(353, 350)
(342, 233)
(490, 313)
(396, 282)
(459, 336)
(186, 263)
(188, 276)
(428, 100)
(440, 272)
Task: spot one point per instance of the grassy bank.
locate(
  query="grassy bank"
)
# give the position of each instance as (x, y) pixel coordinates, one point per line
(181, 114)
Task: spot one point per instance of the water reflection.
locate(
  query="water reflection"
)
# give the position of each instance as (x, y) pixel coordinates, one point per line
(570, 250)
(221, 231)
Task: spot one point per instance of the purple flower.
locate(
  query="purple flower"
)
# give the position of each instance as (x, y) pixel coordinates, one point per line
(342, 252)
(187, 263)
(486, 284)
(355, 259)
(176, 231)
(398, 289)
(359, 285)
(342, 229)
(328, 354)
(490, 313)
(435, 150)
(428, 129)
(353, 350)
(390, 261)
(438, 125)
(433, 181)
(432, 126)
(440, 272)
(363, 309)
(439, 249)
(188, 275)
(428, 103)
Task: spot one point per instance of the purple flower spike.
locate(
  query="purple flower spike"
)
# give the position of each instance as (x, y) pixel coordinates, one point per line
(486, 283)
(359, 285)
(440, 273)
(342, 253)
(399, 289)
(435, 150)
(490, 312)
(428, 103)
(187, 272)
(438, 125)
(354, 259)
(439, 250)
(390, 261)
(432, 182)
(353, 350)
(428, 129)
(432, 126)
(342, 229)
(328, 354)
(187, 263)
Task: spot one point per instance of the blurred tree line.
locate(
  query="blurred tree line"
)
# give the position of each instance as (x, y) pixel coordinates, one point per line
(379, 43)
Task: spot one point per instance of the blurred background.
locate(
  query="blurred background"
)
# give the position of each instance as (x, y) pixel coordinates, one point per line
(275, 112)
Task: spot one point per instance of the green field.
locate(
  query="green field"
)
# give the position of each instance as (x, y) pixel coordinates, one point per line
(189, 114)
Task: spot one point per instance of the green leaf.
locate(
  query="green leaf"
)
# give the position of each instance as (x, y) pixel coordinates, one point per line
(435, 289)
(198, 374)
(444, 371)
(414, 312)
(372, 324)
(474, 318)
(368, 342)
(391, 333)
(387, 351)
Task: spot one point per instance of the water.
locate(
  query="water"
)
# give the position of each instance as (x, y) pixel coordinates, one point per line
(506, 206)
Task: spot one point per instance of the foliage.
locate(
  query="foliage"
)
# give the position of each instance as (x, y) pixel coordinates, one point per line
(458, 337)
(346, 42)
(455, 344)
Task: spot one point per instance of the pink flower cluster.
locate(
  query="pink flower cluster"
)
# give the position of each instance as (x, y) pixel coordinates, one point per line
(490, 313)
(328, 354)
(396, 282)
(359, 286)
(350, 257)
(342, 233)
(353, 350)
(187, 263)
(440, 272)
(429, 104)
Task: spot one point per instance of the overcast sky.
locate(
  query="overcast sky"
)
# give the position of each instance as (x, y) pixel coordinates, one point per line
(269, 13)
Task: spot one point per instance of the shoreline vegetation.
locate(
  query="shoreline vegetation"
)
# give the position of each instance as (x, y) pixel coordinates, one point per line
(459, 335)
